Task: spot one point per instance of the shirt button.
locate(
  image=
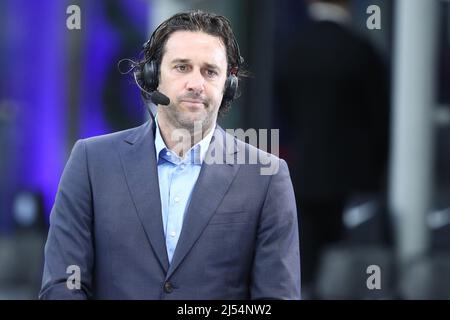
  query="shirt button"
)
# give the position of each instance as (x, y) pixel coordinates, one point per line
(173, 234)
(167, 153)
(168, 287)
(177, 199)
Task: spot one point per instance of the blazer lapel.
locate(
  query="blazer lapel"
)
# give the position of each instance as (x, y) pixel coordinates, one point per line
(139, 163)
(212, 184)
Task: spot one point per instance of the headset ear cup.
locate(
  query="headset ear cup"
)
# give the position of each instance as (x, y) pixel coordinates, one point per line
(231, 86)
(150, 75)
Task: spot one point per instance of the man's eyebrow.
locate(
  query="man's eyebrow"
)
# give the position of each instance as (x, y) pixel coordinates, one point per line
(212, 66)
(179, 60)
(208, 65)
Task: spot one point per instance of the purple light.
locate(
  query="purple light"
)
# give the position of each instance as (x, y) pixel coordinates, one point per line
(37, 85)
(36, 79)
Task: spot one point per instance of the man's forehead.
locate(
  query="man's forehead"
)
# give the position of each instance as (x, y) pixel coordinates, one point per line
(190, 45)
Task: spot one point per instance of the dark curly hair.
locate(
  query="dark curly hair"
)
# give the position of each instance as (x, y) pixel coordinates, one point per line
(210, 23)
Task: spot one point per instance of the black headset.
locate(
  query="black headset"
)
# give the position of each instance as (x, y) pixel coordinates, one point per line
(147, 73)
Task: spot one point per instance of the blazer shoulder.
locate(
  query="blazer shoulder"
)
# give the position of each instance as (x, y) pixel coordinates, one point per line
(252, 150)
(270, 164)
(125, 135)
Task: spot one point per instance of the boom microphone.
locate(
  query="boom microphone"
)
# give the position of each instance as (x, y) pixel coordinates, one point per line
(159, 98)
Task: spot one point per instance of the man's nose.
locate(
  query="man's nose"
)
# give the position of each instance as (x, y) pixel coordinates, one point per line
(195, 82)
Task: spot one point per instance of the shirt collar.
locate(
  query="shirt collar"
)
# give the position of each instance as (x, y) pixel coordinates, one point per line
(198, 150)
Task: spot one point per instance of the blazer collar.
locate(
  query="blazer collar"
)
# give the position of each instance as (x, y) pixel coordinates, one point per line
(138, 158)
(139, 164)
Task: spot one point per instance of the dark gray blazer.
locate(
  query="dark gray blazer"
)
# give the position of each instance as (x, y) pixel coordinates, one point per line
(239, 238)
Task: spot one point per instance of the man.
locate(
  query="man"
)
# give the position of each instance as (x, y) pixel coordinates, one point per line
(144, 214)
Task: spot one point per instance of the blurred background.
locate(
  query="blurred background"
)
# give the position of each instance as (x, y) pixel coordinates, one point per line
(359, 90)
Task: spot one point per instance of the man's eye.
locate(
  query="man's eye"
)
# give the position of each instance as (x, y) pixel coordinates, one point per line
(181, 68)
(211, 73)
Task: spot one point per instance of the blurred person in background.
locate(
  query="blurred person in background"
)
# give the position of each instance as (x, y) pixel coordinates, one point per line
(334, 101)
(143, 216)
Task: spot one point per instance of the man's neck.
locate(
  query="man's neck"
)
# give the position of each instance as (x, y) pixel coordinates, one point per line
(181, 140)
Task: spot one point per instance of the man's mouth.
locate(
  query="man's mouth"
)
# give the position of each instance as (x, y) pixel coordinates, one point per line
(193, 103)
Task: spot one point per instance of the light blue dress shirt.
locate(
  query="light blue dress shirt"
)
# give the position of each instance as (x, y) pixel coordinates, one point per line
(177, 178)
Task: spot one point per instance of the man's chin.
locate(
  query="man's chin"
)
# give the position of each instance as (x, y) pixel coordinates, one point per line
(191, 120)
